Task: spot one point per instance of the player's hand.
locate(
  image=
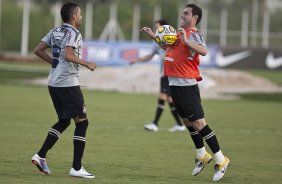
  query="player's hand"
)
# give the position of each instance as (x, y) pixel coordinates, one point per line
(91, 65)
(131, 62)
(182, 34)
(148, 31)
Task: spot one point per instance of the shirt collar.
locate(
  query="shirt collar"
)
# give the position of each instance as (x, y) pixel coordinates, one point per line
(69, 25)
(191, 29)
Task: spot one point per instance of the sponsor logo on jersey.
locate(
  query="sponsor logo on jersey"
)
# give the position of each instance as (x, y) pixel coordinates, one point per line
(169, 59)
(58, 35)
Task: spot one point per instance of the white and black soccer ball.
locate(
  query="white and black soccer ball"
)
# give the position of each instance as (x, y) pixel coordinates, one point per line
(165, 35)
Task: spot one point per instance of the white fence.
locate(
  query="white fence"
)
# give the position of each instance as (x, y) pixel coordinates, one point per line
(247, 36)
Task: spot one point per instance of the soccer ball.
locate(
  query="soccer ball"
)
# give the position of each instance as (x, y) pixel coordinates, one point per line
(165, 35)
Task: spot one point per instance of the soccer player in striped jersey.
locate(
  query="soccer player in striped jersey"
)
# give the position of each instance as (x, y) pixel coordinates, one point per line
(66, 46)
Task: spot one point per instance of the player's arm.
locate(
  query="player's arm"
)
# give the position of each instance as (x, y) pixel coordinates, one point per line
(142, 59)
(71, 57)
(40, 51)
(152, 35)
(197, 47)
(202, 50)
(149, 32)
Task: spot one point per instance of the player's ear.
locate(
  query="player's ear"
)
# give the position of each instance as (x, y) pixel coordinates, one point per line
(196, 17)
(73, 16)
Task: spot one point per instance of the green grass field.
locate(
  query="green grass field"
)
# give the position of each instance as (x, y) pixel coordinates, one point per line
(119, 151)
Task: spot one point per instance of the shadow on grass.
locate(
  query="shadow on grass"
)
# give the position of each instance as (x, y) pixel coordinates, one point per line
(269, 97)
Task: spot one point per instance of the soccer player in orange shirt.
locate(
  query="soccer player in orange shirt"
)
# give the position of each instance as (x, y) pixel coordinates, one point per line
(181, 64)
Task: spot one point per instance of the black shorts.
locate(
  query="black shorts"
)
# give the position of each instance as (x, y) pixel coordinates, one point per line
(164, 88)
(68, 102)
(187, 101)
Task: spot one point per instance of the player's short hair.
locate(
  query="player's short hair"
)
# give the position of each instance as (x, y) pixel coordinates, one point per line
(67, 11)
(196, 10)
(161, 22)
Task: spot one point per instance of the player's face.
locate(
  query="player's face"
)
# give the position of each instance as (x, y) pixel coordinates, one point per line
(186, 18)
(77, 17)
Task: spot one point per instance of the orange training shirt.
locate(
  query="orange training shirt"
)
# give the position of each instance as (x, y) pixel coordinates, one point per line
(180, 61)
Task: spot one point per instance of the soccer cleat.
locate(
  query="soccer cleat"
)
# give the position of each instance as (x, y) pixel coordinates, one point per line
(201, 163)
(151, 127)
(177, 128)
(220, 169)
(41, 164)
(82, 173)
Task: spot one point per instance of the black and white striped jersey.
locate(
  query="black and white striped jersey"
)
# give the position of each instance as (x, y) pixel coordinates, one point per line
(63, 73)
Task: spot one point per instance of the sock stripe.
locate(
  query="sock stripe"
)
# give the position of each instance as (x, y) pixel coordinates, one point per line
(79, 138)
(160, 106)
(54, 131)
(209, 136)
(194, 133)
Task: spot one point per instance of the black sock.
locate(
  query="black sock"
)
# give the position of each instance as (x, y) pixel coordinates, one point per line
(53, 135)
(79, 143)
(210, 138)
(159, 111)
(175, 114)
(196, 137)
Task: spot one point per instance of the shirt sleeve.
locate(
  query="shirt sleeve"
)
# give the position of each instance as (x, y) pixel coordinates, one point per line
(72, 39)
(47, 38)
(196, 37)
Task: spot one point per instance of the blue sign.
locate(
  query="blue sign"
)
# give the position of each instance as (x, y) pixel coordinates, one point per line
(107, 53)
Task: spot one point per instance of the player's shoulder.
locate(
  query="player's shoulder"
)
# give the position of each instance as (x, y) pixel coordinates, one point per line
(197, 32)
(58, 30)
(71, 29)
(197, 35)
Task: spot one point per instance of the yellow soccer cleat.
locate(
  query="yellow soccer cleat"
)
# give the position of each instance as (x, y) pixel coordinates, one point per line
(220, 169)
(201, 163)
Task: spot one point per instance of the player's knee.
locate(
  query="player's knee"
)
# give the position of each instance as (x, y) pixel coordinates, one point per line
(80, 128)
(163, 96)
(199, 124)
(61, 125)
(169, 99)
(186, 122)
(84, 122)
(79, 119)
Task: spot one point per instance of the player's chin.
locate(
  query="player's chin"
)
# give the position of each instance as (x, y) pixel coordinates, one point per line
(79, 24)
(183, 24)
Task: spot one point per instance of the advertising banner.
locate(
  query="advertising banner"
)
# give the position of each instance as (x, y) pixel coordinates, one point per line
(118, 53)
(254, 58)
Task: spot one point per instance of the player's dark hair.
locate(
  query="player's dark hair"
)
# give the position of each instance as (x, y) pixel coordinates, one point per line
(196, 10)
(161, 22)
(67, 11)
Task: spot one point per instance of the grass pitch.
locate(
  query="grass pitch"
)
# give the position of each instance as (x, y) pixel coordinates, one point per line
(120, 151)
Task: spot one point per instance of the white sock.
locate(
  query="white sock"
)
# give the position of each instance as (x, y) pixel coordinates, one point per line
(201, 152)
(219, 157)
